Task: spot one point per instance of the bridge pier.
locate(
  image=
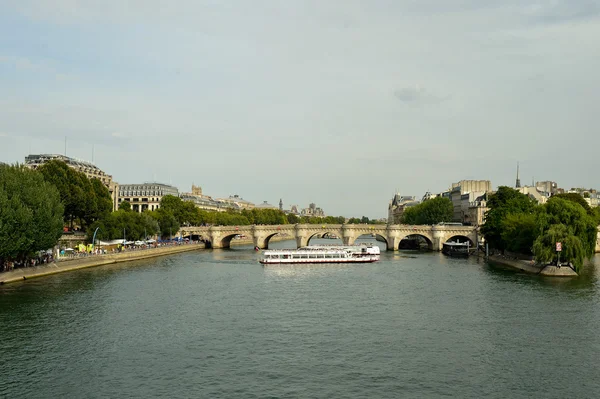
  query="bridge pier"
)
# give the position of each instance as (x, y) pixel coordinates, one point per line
(301, 241)
(260, 242)
(392, 243)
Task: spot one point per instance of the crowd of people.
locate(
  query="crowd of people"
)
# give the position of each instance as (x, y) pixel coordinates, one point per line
(41, 259)
(83, 250)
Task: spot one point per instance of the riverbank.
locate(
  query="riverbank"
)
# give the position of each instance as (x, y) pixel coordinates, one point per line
(529, 267)
(93, 261)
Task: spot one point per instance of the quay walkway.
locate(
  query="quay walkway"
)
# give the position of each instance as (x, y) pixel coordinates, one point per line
(76, 263)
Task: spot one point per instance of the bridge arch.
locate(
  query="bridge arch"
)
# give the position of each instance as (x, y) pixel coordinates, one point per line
(418, 236)
(460, 238)
(313, 234)
(224, 241)
(372, 236)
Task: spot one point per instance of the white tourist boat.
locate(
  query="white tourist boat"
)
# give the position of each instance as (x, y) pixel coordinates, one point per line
(322, 254)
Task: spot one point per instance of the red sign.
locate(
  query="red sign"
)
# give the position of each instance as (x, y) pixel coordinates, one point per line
(558, 246)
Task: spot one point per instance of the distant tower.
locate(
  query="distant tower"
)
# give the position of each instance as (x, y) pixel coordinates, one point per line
(280, 204)
(518, 182)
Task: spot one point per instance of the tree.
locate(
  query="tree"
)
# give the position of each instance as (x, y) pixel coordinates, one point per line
(503, 202)
(573, 251)
(124, 224)
(577, 222)
(103, 201)
(519, 231)
(433, 211)
(83, 200)
(31, 214)
(167, 222)
(125, 206)
(578, 199)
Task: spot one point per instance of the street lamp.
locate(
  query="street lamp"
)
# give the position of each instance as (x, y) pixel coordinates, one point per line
(94, 238)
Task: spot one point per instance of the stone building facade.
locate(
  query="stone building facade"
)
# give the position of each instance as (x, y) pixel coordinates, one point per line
(145, 196)
(398, 205)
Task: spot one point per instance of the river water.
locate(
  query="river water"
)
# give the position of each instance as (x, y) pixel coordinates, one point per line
(217, 324)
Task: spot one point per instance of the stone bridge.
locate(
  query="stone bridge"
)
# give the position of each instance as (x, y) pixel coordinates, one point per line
(436, 236)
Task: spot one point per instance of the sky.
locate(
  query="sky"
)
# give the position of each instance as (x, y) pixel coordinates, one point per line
(340, 103)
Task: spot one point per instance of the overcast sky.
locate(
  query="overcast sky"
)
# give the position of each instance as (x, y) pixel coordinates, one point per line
(341, 103)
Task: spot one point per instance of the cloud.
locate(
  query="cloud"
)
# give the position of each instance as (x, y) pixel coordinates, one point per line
(19, 62)
(417, 95)
(559, 11)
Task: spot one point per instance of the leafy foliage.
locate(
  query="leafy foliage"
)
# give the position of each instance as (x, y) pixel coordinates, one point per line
(84, 200)
(573, 250)
(167, 222)
(433, 211)
(578, 199)
(31, 214)
(125, 206)
(504, 202)
(124, 224)
(578, 232)
(519, 231)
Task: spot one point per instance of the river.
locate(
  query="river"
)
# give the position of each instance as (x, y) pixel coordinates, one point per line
(217, 324)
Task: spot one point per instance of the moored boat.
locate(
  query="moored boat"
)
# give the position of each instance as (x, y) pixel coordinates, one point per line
(322, 254)
(455, 248)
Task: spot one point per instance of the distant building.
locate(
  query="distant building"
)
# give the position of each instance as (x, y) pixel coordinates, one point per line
(236, 202)
(312, 211)
(265, 205)
(398, 205)
(428, 195)
(548, 187)
(464, 196)
(202, 201)
(145, 196)
(89, 169)
(534, 193)
(467, 186)
(475, 213)
(590, 195)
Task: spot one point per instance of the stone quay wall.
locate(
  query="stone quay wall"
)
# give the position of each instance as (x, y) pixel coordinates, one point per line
(92, 261)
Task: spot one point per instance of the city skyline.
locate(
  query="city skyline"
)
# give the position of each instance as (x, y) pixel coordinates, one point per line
(337, 103)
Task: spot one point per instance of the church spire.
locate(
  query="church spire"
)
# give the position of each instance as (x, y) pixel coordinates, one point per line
(518, 182)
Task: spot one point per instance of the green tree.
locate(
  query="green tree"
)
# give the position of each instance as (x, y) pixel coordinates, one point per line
(31, 213)
(103, 202)
(125, 206)
(433, 211)
(503, 202)
(573, 250)
(519, 231)
(597, 215)
(124, 224)
(83, 200)
(578, 199)
(577, 222)
(167, 222)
